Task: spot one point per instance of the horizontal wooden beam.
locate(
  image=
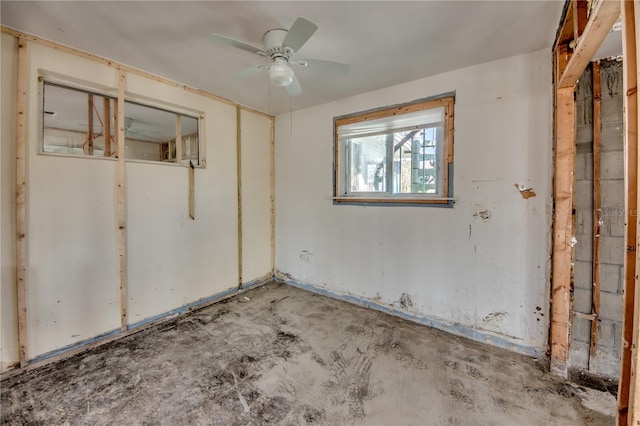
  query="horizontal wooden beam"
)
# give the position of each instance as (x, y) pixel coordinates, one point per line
(603, 16)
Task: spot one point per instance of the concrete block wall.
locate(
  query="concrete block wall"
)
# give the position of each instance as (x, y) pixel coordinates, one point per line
(607, 361)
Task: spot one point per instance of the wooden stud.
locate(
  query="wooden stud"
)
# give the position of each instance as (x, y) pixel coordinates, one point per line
(21, 201)
(562, 269)
(90, 124)
(106, 112)
(580, 9)
(239, 181)
(130, 70)
(192, 178)
(178, 139)
(597, 218)
(272, 201)
(121, 213)
(601, 20)
(628, 409)
(562, 57)
(116, 124)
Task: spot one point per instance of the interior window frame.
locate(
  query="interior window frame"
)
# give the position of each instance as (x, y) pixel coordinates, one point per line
(342, 192)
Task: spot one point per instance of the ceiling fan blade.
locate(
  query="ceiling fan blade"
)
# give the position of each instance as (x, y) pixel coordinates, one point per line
(251, 71)
(323, 66)
(218, 38)
(299, 33)
(294, 88)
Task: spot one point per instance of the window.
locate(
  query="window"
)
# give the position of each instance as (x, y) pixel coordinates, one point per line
(80, 122)
(401, 154)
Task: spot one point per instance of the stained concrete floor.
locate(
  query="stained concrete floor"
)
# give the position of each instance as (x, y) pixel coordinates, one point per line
(280, 355)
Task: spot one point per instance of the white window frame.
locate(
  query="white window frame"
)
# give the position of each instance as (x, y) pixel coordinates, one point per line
(342, 160)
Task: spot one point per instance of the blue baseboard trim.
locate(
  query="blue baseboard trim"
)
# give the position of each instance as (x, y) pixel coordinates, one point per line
(138, 326)
(75, 346)
(454, 329)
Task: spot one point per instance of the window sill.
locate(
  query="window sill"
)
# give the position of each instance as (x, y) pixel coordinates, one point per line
(395, 200)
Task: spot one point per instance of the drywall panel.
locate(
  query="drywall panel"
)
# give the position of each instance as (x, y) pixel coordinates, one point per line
(255, 139)
(172, 259)
(482, 265)
(72, 292)
(8, 303)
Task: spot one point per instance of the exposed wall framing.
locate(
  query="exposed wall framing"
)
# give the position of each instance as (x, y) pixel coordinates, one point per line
(114, 144)
(597, 216)
(272, 143)
(121, 213)
(21, 208)
(131, 70)
(628, 404)
(239, 180)
(562, 230)
(568, 68)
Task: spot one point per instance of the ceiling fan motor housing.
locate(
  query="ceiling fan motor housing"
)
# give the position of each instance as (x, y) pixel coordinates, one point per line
(273, 40)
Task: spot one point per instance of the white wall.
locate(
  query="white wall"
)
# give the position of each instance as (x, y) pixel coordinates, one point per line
(256, 195)
(8, 312)
(72, 267)
(487, 275)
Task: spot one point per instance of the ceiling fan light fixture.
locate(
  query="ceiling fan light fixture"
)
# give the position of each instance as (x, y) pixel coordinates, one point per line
(280, 74)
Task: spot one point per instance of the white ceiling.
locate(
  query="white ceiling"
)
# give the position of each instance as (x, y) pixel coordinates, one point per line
(385, 42)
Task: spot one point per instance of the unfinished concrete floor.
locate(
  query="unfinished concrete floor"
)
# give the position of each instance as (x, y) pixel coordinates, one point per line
(280, 355)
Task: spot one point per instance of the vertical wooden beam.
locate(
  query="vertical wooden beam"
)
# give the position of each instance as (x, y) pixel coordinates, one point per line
(106, 126)
(562, 57)
(239, 180)
(21, 208)
(192, 178)
(178, 139)
(90, 124)
(272, 177)
(116, 124)
(121, 213)
(597, 218)
(562, 269)
(629, 345)
(580, 9)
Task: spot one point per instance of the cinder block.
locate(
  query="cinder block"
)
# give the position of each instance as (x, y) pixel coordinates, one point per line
(617, 225)
(584, 194)
(581, 330)
(610, 334)
(582, 300)
(612, 165)
(582, 273)
(610, 277)
(584, 111)
(607, 363)
(613, 222)
(611, 306)
(612, 194)
(611, 109)
(612, 250)
(579, 355)
(611, 136)
(583, 248)
(584, 138)
(584, 166)
(584, 222)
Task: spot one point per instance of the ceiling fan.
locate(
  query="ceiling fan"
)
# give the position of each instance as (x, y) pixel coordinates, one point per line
(280, 46)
